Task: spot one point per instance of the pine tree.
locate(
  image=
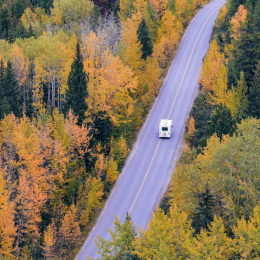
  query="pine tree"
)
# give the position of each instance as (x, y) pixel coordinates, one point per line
(221, 122)
(77, 93)
(254, 94)
(145, 39)
(203, 214)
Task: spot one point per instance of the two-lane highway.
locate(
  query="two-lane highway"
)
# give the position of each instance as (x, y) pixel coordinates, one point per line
(148, 165)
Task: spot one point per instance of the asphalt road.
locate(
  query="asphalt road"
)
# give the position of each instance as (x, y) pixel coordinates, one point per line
(148, 166)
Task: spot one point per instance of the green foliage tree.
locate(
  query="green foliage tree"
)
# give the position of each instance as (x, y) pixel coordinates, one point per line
(241, 97)
(247, 48)
(5, 22)
(2, 75)
(126, 9)
(145, 39)
(201, 112)
(203, 214)
(102, 128)
(77, 93)
(11, 90)
(221, 122)
(254, 94)
(10, 100)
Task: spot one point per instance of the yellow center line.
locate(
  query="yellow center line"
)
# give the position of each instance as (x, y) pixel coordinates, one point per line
(145, 177)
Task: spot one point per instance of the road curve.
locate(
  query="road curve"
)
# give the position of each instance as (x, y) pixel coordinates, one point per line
(148, 165)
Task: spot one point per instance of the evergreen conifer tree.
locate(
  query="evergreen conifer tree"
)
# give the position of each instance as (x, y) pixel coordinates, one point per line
(254, 94)
(11, 90)
(77, 93)
(247, 48)
(5, 107)
(29, 104)
(2, 75)
(145, 39)
(241, 97)
(203, 214)
(221, 122)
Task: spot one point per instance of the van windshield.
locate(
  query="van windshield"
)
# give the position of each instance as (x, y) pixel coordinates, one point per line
(164, 128)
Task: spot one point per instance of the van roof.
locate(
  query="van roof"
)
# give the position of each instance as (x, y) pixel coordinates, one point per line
(165, 122)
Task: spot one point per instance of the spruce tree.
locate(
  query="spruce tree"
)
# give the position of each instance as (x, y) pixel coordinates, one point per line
(5, 107)
(11, 90)
(221, 122)
(247, 48)
(241, 96)
(203, 215)
(76, 93)
(2, 75)
(145, 39)
(254, 94)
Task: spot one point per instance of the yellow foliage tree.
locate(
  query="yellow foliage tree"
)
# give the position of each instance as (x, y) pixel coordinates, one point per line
(237, 21)
(49, 242)
(168, 37)
(21, 67)
(211, 67)
(167, 237)
(247, 236)
(150, 82)
(213, 244)
(160, 6)
(112, 171)
(132, 48)
(7, 221)
(191, 130)
(126, 9)
(221, 94)
(110, 82)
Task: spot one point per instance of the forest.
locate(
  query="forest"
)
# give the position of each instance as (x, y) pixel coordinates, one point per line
(211, 209)
(77, 79)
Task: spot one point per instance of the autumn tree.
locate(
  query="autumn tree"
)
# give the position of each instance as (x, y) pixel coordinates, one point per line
(49, 242)
(167, 236)
(237, 21)
(145, 40)
(213, 242)
(73, 11)
(246, 236)
(69, 232)
(126, 9)
(7, 219)
(77, 93)
(211, 67)
(189, 136)
(121, 244)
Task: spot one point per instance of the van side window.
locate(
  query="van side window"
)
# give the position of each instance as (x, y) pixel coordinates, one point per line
(164, 128)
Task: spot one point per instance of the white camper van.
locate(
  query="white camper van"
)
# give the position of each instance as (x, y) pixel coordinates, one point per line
(165, 128)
